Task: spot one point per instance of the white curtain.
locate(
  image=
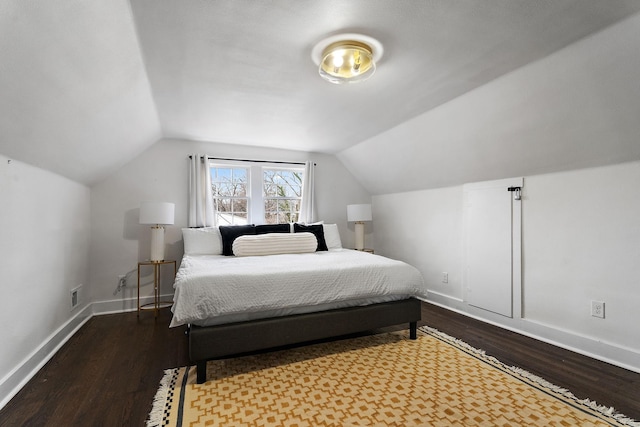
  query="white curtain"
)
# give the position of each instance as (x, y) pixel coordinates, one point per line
(308, 205)
(201, 213)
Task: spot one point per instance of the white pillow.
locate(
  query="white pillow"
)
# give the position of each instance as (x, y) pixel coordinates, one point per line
(274, 243)
(202, 241)
(332, 236)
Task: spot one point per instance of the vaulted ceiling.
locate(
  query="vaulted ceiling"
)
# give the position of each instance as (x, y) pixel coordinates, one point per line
(87, 85)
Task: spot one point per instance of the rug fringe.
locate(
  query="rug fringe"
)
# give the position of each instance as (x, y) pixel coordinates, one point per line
(605, 410)
(159, 401)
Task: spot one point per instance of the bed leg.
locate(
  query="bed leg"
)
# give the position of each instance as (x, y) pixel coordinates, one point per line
(413, 330)
(201, 371)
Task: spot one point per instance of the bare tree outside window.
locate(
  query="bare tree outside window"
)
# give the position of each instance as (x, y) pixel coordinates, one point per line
(230, 194)
(233, 187)
(282, 194)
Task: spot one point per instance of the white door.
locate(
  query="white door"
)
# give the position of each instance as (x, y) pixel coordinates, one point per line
(492, 237)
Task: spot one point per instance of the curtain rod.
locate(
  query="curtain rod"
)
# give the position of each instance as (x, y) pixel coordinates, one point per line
(255, 161)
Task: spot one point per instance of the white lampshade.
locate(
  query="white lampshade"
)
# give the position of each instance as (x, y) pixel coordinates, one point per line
(358, 213)
(157, 213)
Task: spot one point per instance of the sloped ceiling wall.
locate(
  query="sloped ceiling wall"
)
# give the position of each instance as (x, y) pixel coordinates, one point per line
(577, 108)
(74, 95)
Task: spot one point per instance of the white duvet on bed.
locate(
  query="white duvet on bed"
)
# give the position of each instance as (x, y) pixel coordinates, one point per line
(215, 289)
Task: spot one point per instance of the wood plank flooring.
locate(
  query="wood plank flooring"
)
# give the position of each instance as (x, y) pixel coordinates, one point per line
(108, 373)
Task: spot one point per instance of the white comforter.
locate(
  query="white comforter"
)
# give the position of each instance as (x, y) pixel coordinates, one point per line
(211, 289)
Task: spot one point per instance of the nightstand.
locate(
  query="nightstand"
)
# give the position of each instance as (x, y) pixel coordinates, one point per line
(367, 250)
(156, 304)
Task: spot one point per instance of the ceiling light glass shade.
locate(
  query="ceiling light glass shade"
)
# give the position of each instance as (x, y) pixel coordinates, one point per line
(347, 62)
(347, 58)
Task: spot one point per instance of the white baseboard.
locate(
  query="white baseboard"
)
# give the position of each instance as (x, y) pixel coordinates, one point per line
(124, 305)
(11, 384)
(616, 355)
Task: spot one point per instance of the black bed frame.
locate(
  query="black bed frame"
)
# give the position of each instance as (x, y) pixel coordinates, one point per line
(221, 341)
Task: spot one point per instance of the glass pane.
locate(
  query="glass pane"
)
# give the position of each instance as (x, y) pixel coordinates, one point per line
(220, 174)
(240, 189)
(224, 219)
(282, 218)
(229, 181)
(270, 190)
(271, 218)
(224, 205)
(268, 175)
(240, 175)
(239, 205)
(284, 210)
(224, 189)
(240, 218)
(282, 183)
(270, 205)
(284, 205)
(292, 182)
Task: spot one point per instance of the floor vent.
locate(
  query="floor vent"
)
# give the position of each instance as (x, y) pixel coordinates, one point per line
(75, 297)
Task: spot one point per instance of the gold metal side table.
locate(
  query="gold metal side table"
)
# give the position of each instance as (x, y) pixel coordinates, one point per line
(367, 250)
(156, 304)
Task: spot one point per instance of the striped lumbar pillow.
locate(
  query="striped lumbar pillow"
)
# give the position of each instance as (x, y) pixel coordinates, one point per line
(275, 243)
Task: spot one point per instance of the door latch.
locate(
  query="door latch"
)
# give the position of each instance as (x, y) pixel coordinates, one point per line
(517, 192)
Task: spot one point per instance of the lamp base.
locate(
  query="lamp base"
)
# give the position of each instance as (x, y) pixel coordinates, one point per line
(157, 243)
(359, 235)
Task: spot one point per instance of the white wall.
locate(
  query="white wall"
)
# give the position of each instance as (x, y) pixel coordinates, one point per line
(160, 173)
(44, 245)
(581, 242)
(423, 228)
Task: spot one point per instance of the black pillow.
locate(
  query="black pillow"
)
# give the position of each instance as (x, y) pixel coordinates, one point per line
(229, 233)
(318, 230)
(273, 228)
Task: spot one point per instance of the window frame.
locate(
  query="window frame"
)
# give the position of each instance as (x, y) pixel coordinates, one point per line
(219, 165)
(265, 197)
(255, 184)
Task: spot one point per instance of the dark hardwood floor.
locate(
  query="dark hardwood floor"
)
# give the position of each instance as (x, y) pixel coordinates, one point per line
(108, 373)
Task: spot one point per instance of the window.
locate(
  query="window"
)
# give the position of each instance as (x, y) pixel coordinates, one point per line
(282, 195)
(257, 193)
(230, 195)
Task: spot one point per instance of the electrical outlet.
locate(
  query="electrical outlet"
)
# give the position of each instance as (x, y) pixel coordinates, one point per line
(122, 283)
(597, 309)
(445, 277)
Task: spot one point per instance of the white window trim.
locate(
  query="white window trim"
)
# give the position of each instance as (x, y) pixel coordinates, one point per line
(255, 208)
(279, 167)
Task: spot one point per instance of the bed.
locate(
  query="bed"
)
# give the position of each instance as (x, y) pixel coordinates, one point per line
(278, 290)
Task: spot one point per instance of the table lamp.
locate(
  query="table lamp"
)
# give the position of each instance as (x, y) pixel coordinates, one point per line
(359, 214)
(158, 214)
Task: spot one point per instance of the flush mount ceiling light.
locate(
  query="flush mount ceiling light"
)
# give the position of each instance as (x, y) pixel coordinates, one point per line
(347, 58)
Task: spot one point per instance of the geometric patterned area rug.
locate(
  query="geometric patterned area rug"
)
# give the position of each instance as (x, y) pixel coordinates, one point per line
(384, 379)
